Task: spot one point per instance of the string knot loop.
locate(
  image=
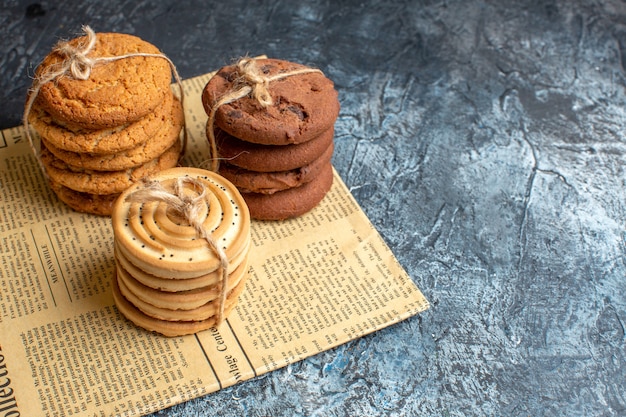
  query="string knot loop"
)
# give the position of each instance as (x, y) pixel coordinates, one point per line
(257, 82)
(77, 61)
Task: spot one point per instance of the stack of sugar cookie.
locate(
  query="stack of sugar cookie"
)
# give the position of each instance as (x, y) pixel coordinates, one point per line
(278, 156)
(101, 134)
(169, 278)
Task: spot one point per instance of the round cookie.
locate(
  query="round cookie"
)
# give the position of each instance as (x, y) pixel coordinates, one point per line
(179, 300)
(167, 134)
(175, 284)
(166, 328)
(292, 202)
(117, 92)
(269, 158)
(198, 314)
(99, 204)
(270, 182)
(304, 105)
(162, 243)
(105, 182)
(102, 141)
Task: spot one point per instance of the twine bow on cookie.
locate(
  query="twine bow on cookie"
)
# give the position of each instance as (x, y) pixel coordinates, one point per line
(76, 59)
(251, 82)
(189, 208)
(77, 64)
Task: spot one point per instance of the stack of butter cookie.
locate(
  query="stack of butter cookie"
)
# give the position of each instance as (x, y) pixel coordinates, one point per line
(278, 154)
(104, 130)
(182, 239)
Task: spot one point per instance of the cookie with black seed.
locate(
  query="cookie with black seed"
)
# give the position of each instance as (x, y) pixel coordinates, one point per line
(170, 277)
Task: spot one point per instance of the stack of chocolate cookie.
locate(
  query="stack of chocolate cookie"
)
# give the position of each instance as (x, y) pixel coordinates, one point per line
(279, 155)
(169, 278)
(101, 134)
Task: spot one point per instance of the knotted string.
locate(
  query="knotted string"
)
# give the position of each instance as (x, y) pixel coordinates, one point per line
(189, 207)
(250, 82)
(77, 64)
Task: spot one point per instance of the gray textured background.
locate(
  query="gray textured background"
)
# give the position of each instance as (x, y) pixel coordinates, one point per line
(484, 139)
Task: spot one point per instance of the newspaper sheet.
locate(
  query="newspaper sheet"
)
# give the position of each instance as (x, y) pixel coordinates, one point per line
(316, 282)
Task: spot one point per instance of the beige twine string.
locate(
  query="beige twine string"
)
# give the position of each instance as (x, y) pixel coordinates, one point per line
(251, 82)
(189, 207)
(78, 65)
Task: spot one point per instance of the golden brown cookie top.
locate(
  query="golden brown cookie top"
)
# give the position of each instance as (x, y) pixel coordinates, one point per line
(117, 92)
(303, 105)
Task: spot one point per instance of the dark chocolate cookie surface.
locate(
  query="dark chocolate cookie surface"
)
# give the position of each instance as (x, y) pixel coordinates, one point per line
(270, 158)
(292, 202)
(303, 105)
(270, 182)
